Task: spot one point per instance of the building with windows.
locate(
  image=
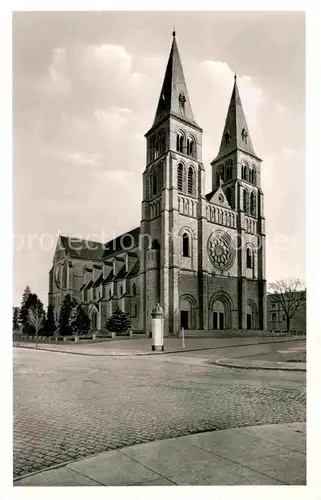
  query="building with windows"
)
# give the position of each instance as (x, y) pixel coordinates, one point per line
(276, 314)
(200, 255)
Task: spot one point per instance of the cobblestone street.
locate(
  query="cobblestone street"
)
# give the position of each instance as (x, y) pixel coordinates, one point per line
(67, 406)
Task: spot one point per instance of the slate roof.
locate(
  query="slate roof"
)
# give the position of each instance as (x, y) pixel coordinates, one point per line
(173, 87)
(97, 251)
(82, 249)
(122, 242)
(235, 127)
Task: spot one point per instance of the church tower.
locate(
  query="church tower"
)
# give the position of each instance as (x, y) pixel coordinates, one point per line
(202, 256)
(237, 169)
(173, 166)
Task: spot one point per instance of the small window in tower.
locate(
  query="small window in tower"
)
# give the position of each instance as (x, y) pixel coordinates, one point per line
(253, 175)
(245, 171)
(244, 136)
(180, 177)
(252, 204)
(134, 289)
(110, 293)
(249, 258)
(273, 317)
(191, 147)
(182, 101)
(227, 136)
(190, 181)
(121, 291)
(185, 245)
(179, 143)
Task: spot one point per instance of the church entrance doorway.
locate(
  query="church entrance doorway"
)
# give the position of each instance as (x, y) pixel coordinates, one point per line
(187, 312)
(218, 321)
(219, 316)
(249, 321)
(184, 320)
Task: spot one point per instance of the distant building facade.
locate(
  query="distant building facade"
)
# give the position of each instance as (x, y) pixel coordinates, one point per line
(200, 255)
(277, 317)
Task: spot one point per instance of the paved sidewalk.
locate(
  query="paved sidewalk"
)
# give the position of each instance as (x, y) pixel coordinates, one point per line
(261, 364)
(142, 347)
(259, 455)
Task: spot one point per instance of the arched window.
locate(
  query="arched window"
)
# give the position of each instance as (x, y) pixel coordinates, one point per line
(110, 293)
(185, 245)
(252, 204)
(121, 290)
(134, 289)
(249, 258)
(253, 175)
(245, 201)
(180, 177)
(161, 142)
(246, 173)
(191, 147)
(190, 181)
(180, 143)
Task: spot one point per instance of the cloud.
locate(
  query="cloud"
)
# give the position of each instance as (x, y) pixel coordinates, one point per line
(79, 124)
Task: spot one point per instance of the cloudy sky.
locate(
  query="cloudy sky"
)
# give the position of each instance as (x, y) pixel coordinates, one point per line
(85, 90)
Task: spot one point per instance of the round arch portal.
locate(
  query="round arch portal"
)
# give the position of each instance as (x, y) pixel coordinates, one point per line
(187, 308)
(220, 312)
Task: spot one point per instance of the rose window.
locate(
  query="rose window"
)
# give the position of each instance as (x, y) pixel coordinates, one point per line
(221, 250)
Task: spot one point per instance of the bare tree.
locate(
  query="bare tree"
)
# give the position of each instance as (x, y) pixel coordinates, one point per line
(291, 295)
(36, 317)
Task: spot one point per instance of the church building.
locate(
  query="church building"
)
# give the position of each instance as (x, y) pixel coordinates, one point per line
(200, 255)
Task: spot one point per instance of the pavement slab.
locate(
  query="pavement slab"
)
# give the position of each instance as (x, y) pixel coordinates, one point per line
(215, 458)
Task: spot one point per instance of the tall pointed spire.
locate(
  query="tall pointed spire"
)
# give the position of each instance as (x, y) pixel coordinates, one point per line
(174, 99)
(236, 134)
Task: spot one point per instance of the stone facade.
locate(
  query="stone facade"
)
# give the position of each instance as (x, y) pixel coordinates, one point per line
(201, 256)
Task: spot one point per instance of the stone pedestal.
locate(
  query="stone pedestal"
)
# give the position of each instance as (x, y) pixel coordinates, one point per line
(158, 328)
